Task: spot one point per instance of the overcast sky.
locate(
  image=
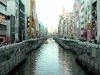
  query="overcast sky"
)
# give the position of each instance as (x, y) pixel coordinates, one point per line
(48, 11)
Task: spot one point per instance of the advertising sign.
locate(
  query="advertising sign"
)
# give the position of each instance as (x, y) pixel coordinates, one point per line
(2, 21)
(89, 26)
(67, 14)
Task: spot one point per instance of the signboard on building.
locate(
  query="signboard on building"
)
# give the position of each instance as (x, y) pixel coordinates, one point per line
(67, 14)
(4, 2)
(2, 21)
(89, 26)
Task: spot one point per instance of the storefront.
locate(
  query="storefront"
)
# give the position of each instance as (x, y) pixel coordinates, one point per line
(2, 29)
(85, 34)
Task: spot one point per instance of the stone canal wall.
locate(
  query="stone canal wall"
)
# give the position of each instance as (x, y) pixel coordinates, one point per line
(87, 54)
(12, 55)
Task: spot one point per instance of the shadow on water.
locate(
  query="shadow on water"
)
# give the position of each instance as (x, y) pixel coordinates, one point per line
(21, 68)
(85, 69)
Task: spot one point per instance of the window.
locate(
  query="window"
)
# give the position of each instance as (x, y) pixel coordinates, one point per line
(81, 35)
(2, 7)
(82, 23)
(82, 9)
(86, 12)
(85, 20)
(88, 16)
(82, 16)
(83, 2)
(82, 29)
(88, 7)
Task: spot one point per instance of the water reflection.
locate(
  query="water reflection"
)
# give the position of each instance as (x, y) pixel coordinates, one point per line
(49, 59)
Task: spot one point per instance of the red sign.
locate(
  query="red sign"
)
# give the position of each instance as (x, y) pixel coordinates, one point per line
(67, 14)
(85, 34)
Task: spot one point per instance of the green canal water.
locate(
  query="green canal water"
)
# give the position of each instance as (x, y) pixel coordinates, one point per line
(49, 59)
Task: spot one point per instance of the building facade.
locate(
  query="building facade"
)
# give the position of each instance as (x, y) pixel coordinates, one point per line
(3, 24)
(94, 21)
(76, 19)
(98, 21)
(13, 20)
(70, 25)
(21, 21)
(88, 20)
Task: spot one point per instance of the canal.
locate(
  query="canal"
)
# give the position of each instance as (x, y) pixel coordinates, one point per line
(49, 59)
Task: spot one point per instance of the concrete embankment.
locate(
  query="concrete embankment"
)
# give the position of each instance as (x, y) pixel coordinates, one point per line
(86, 53)
(14, 54)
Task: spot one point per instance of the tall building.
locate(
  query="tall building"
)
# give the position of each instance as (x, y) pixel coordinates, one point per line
(98, 20)
(70, 26)
(30, 10)
(76, 19)
(3, 25)
(94, 20)
(63, 12)
(13, 20)
(21, 21)
(85, 19)
(60, 30)
(88, 20)
(37, 26)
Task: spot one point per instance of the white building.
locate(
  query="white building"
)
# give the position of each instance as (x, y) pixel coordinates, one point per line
(27, 6)
(76, 19)
(70, 25)
(66, 28)
(85, 19)
(88, 19)
(13, 9)
(60, 29)
(82, 18)
(98, 20)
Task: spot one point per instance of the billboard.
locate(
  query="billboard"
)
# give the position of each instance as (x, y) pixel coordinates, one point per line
(89, 26)
(33, 10)
(67, 14)
(2, 19)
